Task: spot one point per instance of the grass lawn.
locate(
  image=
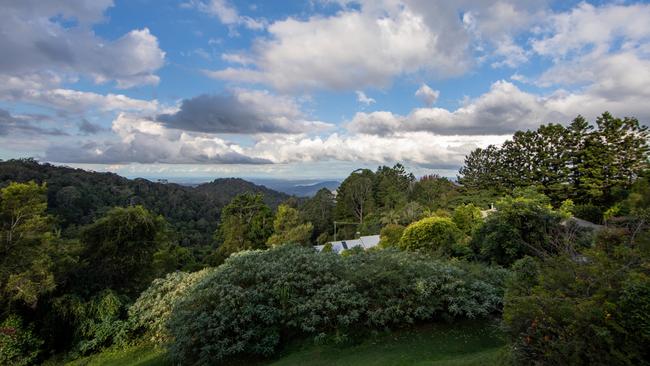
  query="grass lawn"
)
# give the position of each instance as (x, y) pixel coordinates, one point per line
(145, 355)
(460, 344)
(432, 345)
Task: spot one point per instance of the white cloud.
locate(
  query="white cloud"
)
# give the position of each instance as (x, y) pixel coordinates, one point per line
(363, 98)
(505, 109)
(427, 95)
(237, 58)
(594, 29)
(369, 43)
(41, 89)
(33, 38)
(148, 142)
(348, 50)
(419, 148)
(227, 13)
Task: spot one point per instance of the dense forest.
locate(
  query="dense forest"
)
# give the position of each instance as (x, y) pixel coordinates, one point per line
(76, 197)
(549, 233)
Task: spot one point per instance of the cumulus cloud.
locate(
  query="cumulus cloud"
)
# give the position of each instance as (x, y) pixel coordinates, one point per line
(503, 109)
(587, 28)
(373, 47)
(427, 95)
(418, 148)
(147, 142)
(364, 99)
(241, 112)
(41, 89)
(23, 125)
(35, 38)
(377, 41)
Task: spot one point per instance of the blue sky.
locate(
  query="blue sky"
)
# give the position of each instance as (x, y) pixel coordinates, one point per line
(313, 89)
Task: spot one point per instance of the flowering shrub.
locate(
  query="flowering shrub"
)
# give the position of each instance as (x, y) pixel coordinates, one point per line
(257, 300)
(151, 311)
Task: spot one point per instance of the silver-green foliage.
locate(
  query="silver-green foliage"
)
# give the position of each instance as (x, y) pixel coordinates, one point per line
(151, 311)
(251, 305)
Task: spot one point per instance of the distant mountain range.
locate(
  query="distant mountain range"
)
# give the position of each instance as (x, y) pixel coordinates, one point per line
(77, 197)
(300, 188)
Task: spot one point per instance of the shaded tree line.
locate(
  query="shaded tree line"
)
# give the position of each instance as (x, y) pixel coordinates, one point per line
(587, 164)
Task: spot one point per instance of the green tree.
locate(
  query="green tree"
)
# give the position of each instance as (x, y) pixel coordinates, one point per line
(27, 244)
(482, 170)
(467, 218)
(433, 192)
(576, 145)
(616, 153)
(289, 228)
(392, 186)
(246, 223)
(522, 225)
(119, 249)
(319, 210)
(596, 167)
(355, 196)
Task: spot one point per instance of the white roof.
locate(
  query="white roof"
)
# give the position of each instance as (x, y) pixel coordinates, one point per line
(365, 242)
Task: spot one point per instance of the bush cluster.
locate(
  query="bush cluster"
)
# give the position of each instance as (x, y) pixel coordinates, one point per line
(149, 315)
(18, 344)
(593, 309)
(257, 300)
(434, 235)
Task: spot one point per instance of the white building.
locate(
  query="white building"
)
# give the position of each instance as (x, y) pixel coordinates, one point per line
(364, 242)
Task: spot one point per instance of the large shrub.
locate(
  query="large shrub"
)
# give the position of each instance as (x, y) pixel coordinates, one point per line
(257, 300)
(151, 311)
(18, 345)
(437, 235)
(521, 226)
(590, 309)
(467, 218)
(96, 323)
(390, 235)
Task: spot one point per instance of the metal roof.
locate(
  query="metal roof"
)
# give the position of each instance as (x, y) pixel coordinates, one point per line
(365, 242)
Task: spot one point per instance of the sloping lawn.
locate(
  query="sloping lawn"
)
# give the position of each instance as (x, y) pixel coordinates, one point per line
(145, 355)
(433, 345)
(459, 344)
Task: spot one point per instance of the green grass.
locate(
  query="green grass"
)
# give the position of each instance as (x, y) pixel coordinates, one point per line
(460, 344)
(142, 355)
(433, 345)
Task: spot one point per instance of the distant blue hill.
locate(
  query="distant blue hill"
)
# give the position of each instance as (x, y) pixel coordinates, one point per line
(300, 188)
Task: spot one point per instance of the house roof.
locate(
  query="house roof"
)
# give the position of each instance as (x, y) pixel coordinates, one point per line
(364, 242)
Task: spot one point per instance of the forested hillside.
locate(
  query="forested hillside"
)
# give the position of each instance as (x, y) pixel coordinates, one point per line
(92, 261)
(77, 197)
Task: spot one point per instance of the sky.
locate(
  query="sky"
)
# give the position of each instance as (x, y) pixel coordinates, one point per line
(306, 89)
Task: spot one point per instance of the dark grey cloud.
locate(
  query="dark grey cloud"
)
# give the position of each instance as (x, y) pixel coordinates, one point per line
(88, 128)
(240, 112)
(12, 125)
(218, 114)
